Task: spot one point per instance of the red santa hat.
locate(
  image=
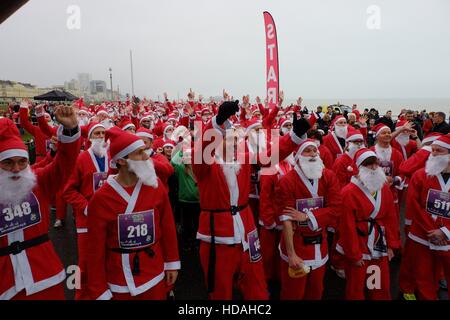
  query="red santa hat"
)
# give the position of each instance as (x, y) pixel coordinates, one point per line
(172, 116)
(91, 127)
(169, 143)
(253, 123)
(400, 124)
(122, 143)
(254, 109)
(144, 133)
(379, 128)
(443, 141)
(158, 143)
(11, 145)
(205, 110)
(305, 144)
(431, 137)
(101, 110)
(145, 116)
(284, 121)
(84, 110)
(337, 118)
(362, 155)
(126, 124)
(353, 135)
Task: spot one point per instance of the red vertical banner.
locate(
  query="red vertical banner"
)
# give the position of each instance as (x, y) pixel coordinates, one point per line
(272, 79)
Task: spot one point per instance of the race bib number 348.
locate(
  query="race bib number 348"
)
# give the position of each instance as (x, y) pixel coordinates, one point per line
(19, 216)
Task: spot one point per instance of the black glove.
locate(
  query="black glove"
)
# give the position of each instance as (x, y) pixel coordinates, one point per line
(226, 110)
(300, 126)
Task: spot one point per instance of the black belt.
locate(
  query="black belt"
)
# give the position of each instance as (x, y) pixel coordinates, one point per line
(136, 268)
(310, 240)
(380, 245)
(212, 249)
(18, 246)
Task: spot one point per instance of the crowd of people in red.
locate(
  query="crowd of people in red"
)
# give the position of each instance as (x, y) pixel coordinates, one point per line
(141, 174)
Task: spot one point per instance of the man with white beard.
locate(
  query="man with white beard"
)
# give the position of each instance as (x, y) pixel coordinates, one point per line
(30, 268)
(429, 201)
(132, 237)
(229, 238)
(88, 176)
(335, 140)
(368, 230)
(308, 201)
(405, 138)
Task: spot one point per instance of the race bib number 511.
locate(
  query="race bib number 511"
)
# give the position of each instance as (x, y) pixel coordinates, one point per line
(438, 203)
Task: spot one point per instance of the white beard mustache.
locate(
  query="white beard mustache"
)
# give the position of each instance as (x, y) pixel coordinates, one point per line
(107, 124)
(313, 169)
(255, 139)
(436, 164)
(83, 121)
(402, 139)
(340, 131)
(15, 191)
(352, 149)
(98, 147)
(285, 130)
(145, 171)
(374, 180)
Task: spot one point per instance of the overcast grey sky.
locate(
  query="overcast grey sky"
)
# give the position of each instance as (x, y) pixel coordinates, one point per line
(325, 47)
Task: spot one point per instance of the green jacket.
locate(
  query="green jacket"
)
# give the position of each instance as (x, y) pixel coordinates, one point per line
(187, 187)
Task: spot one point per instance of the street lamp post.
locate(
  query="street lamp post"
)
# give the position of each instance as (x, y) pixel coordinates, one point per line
(110, 77)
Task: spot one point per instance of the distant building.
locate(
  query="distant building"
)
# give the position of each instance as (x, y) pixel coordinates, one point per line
(97, 86)
(84, 81)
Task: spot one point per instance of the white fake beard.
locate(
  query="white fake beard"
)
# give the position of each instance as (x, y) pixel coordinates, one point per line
(340, 131)
(402, 139)
(15, 191)
(99, 148)
(436, 164)
(291, 159)
(144, 170)
(352, 149)
(285, 130)
(374, 180)
(257, 141)
(312, 167)
(83, 121)
(107, 124)
(149, 152)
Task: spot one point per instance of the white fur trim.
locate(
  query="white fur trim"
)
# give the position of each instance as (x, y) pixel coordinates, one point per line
(98, 125)
(144, 135)
(355, 137)
(226, 124)
(13, 153)
(82, 230)
(128, 126)
(219, 240)
(129, 149)
(303, 147)
(312, 223)
(430, 139)
(441, 144)
(107, 295)
(447, 232)
(66, 139)
(365, 156)
(103, 111)
(428, 244)
(296, 139)
(174, 265)
(377, 133)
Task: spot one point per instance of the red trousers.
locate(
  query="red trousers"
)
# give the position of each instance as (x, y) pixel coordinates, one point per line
(53, 293)
(231, 261)
(270, 239)
(358, 281)
(158, 292)
(426, 270)
(82, 241)
(407, 280)
(309, 287)
(61, 206)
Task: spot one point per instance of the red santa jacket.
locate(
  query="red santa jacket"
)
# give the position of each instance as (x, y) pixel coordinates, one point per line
(360, 238)
(39, 267)
(429, 202)
(84, 181)
(416, 162)
(268, 217)
(129, 218)
(332, 143)
(408, 150)
(163, 168)
(220, 192)
(321, 201)
(326, 156)
(41, 141)
(345, 169)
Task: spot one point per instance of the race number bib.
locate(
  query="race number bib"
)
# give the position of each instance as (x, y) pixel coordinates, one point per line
(387, 167)
(438, 203)
(304, 205)
(20, 216)
(136, 230)
(254, 246)
(48, 143)
(99, 179)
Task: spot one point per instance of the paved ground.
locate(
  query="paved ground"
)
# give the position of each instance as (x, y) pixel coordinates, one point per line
(190, 285)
